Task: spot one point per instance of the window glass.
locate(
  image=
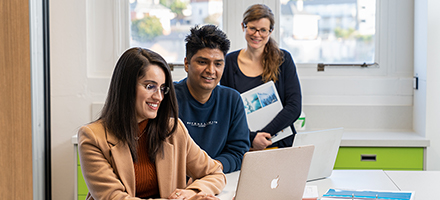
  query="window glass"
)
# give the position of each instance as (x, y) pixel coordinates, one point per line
(162, 25)
(328, 31)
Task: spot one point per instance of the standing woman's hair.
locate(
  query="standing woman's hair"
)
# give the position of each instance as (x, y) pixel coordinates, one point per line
(273, 57)
(119, 113)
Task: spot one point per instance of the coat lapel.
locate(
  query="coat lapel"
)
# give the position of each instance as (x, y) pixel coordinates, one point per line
(165, 171)
(123, 163)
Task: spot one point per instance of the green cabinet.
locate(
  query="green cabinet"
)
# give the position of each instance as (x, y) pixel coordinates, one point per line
(82, 187)
(385, 158)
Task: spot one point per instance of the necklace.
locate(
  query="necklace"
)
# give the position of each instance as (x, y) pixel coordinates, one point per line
(142, 126)
(138, 137)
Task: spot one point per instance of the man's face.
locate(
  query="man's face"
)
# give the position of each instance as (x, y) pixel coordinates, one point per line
(205, 70)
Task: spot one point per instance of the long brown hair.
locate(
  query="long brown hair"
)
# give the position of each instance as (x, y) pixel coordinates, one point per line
(273, 57)
(119, 114)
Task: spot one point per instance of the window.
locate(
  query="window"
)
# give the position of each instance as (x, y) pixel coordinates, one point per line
(389, 22)
(323, 31)
(163, 25)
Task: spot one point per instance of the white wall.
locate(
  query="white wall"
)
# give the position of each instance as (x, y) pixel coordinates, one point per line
(432, 86)
(426, 59)
(420, 64)
(69, 89)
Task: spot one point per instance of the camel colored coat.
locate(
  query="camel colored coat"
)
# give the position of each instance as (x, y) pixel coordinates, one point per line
(108, 169)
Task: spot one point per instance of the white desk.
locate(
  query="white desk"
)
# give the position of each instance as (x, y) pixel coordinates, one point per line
(341, 179)
(231, 184)
(426, 184)
(355, 180)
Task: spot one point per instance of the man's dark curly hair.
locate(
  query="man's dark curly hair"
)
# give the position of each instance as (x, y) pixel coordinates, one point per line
(207, 36)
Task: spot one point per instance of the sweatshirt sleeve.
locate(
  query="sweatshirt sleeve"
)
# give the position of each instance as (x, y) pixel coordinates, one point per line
(238, 140)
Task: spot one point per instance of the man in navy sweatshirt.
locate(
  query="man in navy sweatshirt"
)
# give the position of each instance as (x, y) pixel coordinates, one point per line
(213, 114)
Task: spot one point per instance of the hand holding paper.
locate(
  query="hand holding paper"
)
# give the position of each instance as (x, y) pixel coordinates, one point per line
(261, 141)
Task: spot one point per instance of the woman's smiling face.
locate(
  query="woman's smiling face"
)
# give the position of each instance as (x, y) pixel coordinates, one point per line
(148, 93)
(256, 40)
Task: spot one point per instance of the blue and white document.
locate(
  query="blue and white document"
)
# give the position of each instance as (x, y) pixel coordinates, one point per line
(262, 104)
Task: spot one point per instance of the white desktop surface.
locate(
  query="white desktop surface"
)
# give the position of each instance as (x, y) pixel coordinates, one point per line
(426, 184)
(340, 179)
(355, 180)
(231, 184)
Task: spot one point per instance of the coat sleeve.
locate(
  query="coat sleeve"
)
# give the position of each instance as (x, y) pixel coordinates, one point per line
(206, 172)
(96, 167)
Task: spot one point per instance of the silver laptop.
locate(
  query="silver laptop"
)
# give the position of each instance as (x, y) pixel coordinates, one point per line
(326, 144)
(274, 174)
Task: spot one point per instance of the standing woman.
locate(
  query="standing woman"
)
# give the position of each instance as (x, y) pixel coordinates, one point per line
(138, 148)
(262, 61)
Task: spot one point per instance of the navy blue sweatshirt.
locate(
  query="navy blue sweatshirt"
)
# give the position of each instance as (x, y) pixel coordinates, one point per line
(218, 126)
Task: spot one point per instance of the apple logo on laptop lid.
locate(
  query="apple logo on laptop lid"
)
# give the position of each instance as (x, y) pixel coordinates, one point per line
(275, 182)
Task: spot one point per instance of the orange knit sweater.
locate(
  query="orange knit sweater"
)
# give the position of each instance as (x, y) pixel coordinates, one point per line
(145, 171)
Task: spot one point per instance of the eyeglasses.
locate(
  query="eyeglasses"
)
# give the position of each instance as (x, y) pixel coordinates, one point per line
(253, 30)
(152, 88)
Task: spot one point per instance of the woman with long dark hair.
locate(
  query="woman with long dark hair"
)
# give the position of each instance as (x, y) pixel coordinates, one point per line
(138, 148)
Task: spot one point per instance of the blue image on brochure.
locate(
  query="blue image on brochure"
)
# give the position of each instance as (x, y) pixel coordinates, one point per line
(251, 103)
(260, 99)
(267, 97)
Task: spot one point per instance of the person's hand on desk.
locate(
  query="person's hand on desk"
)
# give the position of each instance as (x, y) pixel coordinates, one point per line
(261, 141)
(191, 195)
(204, 196)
